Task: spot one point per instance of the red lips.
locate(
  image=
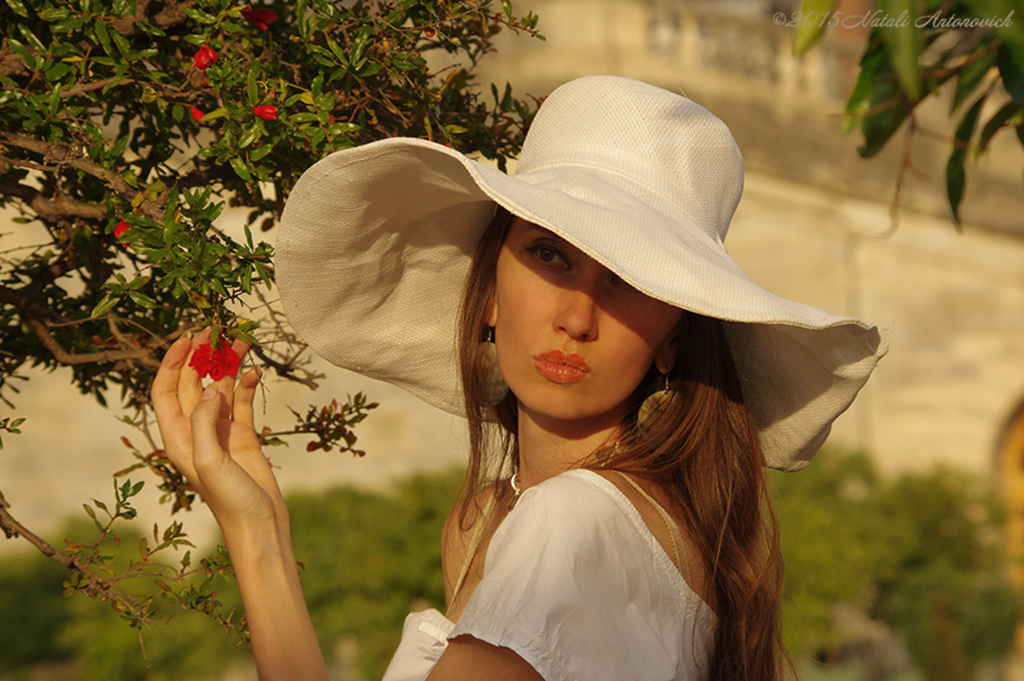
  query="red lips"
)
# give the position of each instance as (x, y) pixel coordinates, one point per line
(560, 367)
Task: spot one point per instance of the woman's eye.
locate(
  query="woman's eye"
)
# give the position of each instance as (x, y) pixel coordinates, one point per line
(548, 255)
(618, 281)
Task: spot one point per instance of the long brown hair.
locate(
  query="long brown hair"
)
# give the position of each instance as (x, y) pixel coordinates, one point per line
(701, 452)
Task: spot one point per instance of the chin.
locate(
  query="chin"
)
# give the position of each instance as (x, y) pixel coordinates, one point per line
(565, 408)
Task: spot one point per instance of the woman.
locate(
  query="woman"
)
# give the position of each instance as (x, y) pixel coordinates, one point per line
(613, 524)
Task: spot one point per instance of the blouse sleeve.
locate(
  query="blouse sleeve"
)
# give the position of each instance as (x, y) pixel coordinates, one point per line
(579, 588)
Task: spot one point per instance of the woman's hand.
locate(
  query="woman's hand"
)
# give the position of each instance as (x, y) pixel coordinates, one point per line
(209, 437)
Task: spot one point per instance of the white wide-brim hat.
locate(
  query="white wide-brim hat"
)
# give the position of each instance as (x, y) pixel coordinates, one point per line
(376, 241)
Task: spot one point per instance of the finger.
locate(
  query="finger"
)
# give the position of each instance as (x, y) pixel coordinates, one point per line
(165, 387)
(190, 386)
(226, 385)
(207, 456)
(245, 395)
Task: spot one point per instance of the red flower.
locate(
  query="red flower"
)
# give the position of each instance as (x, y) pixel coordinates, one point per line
(119, 230)
(214, 362)
(197, 115)
(428, 32)
(261, 17)
(267, 112)
(204, 58)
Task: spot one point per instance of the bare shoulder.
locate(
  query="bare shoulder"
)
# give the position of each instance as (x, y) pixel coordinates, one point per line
(457, 534)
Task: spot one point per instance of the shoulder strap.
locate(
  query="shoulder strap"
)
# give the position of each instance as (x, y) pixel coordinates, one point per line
(678, 545)
(474, 542)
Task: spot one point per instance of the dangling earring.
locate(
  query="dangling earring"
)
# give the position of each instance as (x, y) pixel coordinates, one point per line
(494, 387)
(657, 403)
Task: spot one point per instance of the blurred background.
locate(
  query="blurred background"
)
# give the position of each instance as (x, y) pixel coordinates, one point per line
(903, 540)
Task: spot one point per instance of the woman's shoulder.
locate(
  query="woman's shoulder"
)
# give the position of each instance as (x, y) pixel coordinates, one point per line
(469, 525)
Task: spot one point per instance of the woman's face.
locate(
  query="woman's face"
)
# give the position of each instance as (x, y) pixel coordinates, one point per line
(573, 340)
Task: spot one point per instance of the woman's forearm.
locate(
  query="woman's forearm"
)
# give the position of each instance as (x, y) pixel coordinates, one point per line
(209, 436)
(283, 641)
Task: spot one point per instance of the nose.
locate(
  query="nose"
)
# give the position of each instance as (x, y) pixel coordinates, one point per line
(578, 314)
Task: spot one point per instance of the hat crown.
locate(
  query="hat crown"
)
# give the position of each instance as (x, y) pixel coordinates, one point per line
(663, 141)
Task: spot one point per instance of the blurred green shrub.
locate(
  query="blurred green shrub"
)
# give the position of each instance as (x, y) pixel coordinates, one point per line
(923, 553)
(369, 559)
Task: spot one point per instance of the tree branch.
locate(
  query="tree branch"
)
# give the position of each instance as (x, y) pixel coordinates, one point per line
(27, 305)
(72, 155)
(94, 586)
(65, 357)
(32, 313)
(11, 63)
(58, 207)
(82, 88)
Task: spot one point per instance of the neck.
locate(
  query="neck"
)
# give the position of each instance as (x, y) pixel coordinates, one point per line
(548, 447)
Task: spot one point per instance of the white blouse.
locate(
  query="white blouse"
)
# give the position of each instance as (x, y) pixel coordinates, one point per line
(576, 584)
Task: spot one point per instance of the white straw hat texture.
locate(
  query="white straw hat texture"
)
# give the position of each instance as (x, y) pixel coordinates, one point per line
(376, 241)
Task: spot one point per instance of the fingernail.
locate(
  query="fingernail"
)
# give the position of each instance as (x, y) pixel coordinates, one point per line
(208, 394)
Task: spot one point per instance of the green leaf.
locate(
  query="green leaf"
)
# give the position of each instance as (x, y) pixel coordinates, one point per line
(122, 45)
(103, 37)
(22, 51)
(54, 104)
(258, 154)
(264, 277)
(31, 37)
(18, 7)
(969, 77)
(955, 175)
(814, 19)
(105, 305)
(238, 164)
(338, 52)
(150, 29)
(1011, 67)
(252, 86)
(251, 135)
(304, 117)
(246, 280)
(303, 20)
(219, 112)
(52, 15)
(117, 151)
(878, 92)
(201, 17)
(998, 120)
(506, 6)
(904, 42)
(359, 44)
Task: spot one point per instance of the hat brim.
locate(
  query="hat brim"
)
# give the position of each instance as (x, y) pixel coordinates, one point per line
(376, 241)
